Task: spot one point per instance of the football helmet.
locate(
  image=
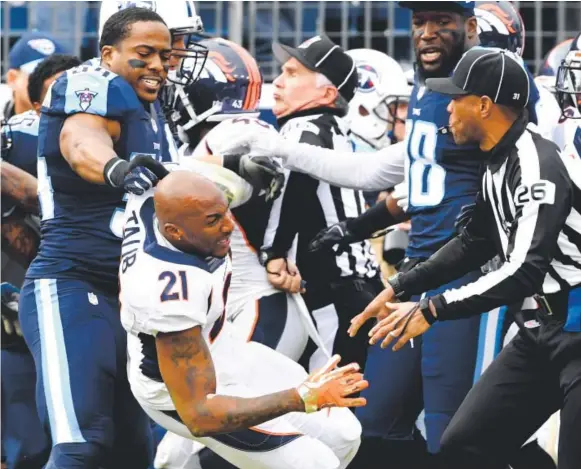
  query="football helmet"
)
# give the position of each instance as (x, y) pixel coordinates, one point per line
(500, 25)
(184, 24)
(568, 86)
(228, 85)
(382, 86)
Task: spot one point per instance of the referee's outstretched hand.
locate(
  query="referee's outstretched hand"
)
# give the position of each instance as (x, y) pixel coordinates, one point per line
(404, 322)
(376, 309)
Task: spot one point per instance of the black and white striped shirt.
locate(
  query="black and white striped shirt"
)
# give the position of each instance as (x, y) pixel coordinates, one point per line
(529, 212)
(308, 205)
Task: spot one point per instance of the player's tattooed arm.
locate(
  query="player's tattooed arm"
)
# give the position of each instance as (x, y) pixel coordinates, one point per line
(188, 371)
(86, 142)
(19, 186)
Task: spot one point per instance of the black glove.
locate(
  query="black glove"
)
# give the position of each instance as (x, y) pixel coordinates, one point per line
(144, 172)
(10, 298)
(337, 234)
(464, 217)
(261, 172)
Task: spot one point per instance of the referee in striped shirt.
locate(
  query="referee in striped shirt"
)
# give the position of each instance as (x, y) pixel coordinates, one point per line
(311, 95)
(529, 212)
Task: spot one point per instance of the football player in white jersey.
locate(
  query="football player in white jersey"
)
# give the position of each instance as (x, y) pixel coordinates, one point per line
(243, 400)
(223, 103)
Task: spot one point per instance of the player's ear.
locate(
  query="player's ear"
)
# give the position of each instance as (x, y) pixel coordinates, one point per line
(11, 76)
(471, 28)
(173, 232)
(107, 55)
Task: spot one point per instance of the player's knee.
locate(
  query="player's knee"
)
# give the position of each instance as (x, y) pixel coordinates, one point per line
(345, 434)
(76, 456)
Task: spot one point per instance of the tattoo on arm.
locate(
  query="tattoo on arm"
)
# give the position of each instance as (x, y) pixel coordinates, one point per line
(20, 186)
(188, 371)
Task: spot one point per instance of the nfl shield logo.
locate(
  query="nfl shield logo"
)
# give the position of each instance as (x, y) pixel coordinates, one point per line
(85, 98)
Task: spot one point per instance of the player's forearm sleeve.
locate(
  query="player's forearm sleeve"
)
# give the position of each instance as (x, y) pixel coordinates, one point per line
(458, 257)
(531, 249)
(368, 171)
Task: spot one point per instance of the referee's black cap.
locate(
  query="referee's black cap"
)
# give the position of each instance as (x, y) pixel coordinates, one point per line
(487, 71)
(322, 55)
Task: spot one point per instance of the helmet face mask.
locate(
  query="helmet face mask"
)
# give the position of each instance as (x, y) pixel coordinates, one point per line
(568, 84)
(227, 84)
(382, 87)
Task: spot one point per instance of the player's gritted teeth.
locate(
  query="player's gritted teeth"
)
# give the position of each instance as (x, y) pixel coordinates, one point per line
(152, 84)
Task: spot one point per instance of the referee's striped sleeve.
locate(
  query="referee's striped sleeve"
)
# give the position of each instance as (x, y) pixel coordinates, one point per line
(532, 246)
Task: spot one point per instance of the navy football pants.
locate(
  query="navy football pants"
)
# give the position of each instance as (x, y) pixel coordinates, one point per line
(79, 346)
(25, 445)
(435, 375)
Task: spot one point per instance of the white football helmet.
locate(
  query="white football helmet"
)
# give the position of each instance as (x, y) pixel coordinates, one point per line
(179, 15)
(381, 82)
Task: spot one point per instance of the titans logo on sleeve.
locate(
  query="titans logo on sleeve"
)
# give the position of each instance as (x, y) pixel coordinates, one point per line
(82, 222)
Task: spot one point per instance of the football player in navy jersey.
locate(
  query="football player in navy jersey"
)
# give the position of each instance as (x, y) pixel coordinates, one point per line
(94, 121)
(442, 177)
(24, 442)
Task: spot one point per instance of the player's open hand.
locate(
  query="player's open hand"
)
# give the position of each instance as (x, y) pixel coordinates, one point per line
(404, 322)
(331, 386)
(376, 309)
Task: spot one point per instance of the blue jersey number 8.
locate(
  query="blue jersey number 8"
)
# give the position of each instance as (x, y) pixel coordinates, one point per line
(426, 177)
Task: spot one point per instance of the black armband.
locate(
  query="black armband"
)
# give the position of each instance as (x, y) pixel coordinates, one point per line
(115, 171)
(426, 312)
(232, 163)
(372, 220)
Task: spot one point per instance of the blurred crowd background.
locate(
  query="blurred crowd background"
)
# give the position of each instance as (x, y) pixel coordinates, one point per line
(255, 24)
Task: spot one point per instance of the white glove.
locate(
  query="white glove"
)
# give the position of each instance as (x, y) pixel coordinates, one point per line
(400, 194)
(256, 140)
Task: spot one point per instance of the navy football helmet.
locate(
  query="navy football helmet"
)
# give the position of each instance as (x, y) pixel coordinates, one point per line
(228, 85)
(500, 25)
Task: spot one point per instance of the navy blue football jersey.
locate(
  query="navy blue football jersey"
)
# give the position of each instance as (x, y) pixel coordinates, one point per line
(82, 222)
(442, 176)
(21, 132)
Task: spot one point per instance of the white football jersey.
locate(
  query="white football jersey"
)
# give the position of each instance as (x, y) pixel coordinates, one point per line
(572, 133)
(548, 115)
(164, 290)
(249, 279)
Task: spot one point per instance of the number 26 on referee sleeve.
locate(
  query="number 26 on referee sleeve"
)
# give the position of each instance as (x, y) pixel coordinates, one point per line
(171, 291)
(426, 177)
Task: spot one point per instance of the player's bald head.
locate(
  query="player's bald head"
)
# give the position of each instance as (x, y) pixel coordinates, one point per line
(183, 193)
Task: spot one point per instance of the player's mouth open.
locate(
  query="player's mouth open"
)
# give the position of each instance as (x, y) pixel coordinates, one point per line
(152, 83)
(224, 242)
(430, 54)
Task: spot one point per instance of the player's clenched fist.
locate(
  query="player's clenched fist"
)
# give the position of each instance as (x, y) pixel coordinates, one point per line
(331, 386)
